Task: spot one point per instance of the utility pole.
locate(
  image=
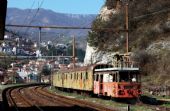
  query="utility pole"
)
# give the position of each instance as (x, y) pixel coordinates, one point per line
(126, 4)
(39, 41)
(39, 38)
(127, 26)
(74, 61)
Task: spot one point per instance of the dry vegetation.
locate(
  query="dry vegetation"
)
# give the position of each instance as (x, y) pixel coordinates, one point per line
(148, 23)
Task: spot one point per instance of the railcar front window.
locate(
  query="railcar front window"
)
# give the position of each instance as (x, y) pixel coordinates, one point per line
(128, 77)
(97, 78)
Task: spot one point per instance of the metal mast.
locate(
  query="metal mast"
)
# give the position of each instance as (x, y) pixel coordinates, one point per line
(74, 61)
(39, 38)
(126, 4)
(127, 26)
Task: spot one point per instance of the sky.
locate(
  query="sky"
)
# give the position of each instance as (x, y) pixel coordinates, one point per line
(62, 6)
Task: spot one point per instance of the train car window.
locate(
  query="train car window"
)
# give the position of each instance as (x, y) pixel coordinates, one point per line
(101, 78)
(110, 78)
(114, 77)
(124, 77)
(66, 76)
(77, 76)
(74, 76)
(128, 77)
(86, 75)
(81, 75)
(97, 77)
(117, 77)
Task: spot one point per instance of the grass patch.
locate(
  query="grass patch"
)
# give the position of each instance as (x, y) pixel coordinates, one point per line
(166, 105)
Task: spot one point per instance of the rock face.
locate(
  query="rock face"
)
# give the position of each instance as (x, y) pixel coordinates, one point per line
(105, 13)
(92, 54)
(156, 47)
(96, 57)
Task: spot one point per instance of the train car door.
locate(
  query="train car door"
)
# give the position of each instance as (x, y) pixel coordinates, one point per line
(101, 84)
(62, 79)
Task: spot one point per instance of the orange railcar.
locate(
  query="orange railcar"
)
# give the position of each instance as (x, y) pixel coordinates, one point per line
(117, 83)
(120, 81)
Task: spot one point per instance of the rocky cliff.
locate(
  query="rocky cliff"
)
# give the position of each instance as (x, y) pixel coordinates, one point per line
(149, 36)
(93, 56)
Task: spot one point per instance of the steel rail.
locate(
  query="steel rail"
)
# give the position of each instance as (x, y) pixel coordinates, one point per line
(75, 101)
(29, 102)
(20, 96)
(11, 99)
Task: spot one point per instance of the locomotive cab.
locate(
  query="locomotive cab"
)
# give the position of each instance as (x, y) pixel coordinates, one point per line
(129, 84)
(122, 80)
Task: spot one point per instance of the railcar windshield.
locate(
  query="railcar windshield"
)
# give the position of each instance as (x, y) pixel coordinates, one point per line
(129, 77)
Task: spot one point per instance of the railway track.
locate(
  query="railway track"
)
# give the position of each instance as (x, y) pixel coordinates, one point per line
(37, 98)
(74, 101)
(17, 102)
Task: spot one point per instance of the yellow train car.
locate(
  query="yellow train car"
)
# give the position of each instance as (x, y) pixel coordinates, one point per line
(77, 79)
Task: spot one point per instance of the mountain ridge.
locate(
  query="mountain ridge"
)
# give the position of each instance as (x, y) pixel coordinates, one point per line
(44, 17)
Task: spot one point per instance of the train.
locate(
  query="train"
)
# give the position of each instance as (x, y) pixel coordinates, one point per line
(121, 79)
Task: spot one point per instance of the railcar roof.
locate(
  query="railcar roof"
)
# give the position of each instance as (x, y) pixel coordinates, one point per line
(85, 68)
(117, 69)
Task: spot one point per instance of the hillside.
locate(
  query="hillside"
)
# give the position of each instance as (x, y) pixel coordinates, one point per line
(149, 35)
(43, 17)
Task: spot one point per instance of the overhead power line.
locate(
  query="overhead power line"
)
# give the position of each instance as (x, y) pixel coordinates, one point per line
(68, 27)
(29, 12)
(39, 6)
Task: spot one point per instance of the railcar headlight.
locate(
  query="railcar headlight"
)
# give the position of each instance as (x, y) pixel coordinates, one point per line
(139, 91)
(121, 92)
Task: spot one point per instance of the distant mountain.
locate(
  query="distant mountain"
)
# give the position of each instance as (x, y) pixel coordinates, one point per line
(45, 17)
